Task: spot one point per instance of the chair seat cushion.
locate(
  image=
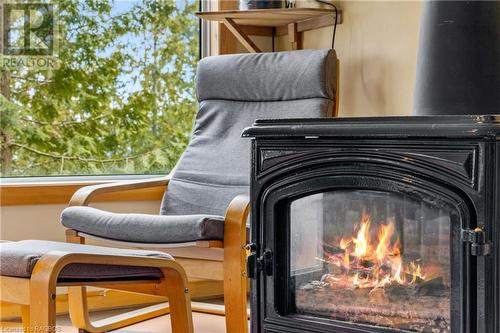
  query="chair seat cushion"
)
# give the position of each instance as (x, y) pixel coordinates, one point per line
(17, 259)
(143, 228)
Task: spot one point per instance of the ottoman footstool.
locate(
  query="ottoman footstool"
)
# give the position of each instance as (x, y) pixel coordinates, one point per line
(30, 271)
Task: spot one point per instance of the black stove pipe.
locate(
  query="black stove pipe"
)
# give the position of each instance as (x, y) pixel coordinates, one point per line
(458, 63)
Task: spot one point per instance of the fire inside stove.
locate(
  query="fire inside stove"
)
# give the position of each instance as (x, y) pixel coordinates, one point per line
(366, 263)
(389, 269)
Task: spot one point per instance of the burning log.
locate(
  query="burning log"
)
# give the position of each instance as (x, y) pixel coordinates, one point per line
(415, 313)
(331, 249)
(314, 285)
(378, 296)
(396, 291)
(367, 264)
(434, 287)
(370, 281)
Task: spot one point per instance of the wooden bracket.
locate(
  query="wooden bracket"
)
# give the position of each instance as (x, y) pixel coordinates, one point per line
(238, 32)
(268, 22)
(294, 36)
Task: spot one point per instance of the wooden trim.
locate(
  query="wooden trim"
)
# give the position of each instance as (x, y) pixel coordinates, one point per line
(61, 193)
(83, 196)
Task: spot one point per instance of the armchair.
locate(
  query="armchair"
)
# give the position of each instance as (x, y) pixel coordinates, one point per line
(205, 206)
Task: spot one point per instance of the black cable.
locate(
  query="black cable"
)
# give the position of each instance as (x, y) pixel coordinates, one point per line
(336, 17)
(274, 35)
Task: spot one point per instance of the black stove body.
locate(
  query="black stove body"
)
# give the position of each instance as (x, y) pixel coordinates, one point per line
(375, 225)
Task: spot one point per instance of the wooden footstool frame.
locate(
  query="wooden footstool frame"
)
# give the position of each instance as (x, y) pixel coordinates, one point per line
(37, 294)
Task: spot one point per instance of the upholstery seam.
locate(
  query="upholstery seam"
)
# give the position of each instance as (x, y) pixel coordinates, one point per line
(264, 101)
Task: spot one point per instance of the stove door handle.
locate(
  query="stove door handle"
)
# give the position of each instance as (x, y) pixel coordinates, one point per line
(479, 246)
(255, 264)
(252, 269)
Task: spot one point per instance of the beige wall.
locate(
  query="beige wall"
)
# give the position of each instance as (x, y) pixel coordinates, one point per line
(42, 221)
(377, 46)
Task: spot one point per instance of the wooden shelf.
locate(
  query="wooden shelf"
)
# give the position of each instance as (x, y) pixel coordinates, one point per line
(266, 17)
(265, 22)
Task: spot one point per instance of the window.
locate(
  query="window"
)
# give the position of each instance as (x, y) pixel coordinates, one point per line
(119, 97)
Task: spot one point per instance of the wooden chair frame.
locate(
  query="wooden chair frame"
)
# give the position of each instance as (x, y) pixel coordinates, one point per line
(234, 264)
(37, 295)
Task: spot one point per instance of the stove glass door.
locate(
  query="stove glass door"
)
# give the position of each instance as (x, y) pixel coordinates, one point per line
(372, 257)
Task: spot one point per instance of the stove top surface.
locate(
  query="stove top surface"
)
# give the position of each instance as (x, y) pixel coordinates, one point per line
(471, 126)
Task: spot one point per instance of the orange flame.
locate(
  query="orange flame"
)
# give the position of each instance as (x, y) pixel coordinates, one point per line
(398, 276)
(373, 264)
(385, 232)
(396, 250)
(416, 272)
(362, 240)
(346, 262)
(344, 243)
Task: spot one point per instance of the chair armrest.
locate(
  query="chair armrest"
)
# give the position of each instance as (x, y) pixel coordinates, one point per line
(236, 221)
(238, 209)
(83, 196)
(235, 258)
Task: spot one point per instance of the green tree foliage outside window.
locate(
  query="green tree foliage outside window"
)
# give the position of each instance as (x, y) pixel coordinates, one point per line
(122, 100)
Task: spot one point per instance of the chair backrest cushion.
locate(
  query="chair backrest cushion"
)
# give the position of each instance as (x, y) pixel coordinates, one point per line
(234, 91)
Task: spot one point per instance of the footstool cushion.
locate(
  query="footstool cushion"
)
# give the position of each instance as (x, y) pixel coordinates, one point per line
(17, 259)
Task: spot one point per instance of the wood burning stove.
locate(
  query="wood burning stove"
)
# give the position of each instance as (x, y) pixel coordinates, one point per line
(375, 225)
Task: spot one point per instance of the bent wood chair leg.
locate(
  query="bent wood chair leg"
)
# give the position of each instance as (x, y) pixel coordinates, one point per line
(44, 280)
(79, 312)
(176, 285)
(80, 317)
(42, 313)
(235, 277)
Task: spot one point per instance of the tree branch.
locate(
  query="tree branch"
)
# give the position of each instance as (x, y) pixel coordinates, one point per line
(76, 158)
(64, 123)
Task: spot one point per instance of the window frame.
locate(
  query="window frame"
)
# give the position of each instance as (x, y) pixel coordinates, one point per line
(59, 190)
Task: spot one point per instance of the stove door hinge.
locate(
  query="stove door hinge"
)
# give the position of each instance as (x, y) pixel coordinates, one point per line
(256, 265)
(477, 239)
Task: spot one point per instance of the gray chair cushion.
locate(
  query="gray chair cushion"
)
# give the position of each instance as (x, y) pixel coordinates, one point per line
(215, 167)
(143, 228)
(234, 91)
(17, 259)
(276, 76)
